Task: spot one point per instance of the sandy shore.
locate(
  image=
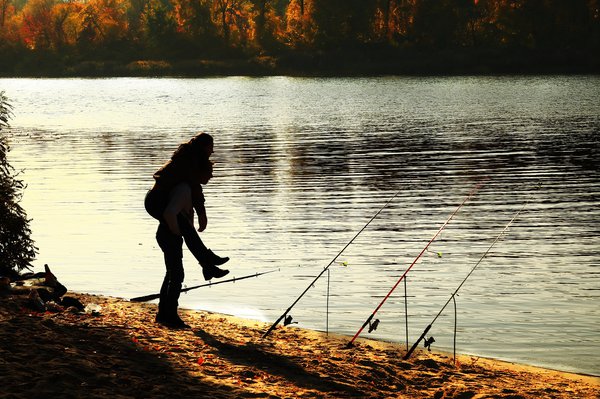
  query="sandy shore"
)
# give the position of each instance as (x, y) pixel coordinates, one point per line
(121, 353)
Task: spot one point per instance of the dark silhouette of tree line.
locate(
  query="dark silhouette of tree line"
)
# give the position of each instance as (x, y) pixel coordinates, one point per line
(298, 36)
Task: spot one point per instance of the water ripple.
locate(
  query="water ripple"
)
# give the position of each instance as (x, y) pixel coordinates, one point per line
(303, 164)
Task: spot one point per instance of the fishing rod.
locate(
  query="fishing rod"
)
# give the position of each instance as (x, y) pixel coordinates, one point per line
(288, 319)
(231, 280)
(374, 325)
(462, 283)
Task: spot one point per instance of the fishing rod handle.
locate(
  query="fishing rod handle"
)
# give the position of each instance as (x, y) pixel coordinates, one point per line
(412, 349)
(275, 324)
(351, 343)
(145, 298)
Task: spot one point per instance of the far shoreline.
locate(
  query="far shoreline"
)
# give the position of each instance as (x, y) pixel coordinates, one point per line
(413, 63)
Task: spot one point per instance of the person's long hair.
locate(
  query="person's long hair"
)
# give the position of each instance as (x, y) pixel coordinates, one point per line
(192, 148)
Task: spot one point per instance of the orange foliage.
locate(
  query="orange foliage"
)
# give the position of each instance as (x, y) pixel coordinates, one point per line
(36, 24)
(66, 23)
(189, 16)
(235, 18)
(49, 24)
(300, 29)
(263, 26)
(107, 19)
(6, 10)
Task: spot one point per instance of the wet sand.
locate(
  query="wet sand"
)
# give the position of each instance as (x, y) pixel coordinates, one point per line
(120, 352)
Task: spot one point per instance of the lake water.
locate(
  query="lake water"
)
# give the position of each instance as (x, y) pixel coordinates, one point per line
(302, 164)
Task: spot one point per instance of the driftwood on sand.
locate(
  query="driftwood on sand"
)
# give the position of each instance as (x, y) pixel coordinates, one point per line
(43, 291)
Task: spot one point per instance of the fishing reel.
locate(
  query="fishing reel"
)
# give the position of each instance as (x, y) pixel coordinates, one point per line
(373, 326)
(288, 320)
(428, 342)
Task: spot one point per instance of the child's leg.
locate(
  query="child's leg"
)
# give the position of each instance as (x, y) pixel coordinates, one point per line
(192, 239)
(206, 258)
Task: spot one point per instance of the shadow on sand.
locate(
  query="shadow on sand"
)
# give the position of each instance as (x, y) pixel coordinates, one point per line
(46, 359)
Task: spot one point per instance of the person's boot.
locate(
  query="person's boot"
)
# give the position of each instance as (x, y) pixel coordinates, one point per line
(177, 323)
(210, 271)
(171, 319)
(161, 315)
(215, 259)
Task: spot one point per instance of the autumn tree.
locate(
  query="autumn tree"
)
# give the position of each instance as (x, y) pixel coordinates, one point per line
(482, 29)
(160, 25)
(343, 22)
(393, 20)
(65, 17)
(233, 17)
(103, 23)
(10, 23)
(519, 24)
(220, 10)
(6, 8)
(134, 14)
(194, 23)
(265, 32)
(301, 29)
(37, 24)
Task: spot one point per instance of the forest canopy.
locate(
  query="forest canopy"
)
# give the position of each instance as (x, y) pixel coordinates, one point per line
(116, 37)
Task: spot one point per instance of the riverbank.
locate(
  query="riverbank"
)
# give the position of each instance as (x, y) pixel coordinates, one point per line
(368, 61)
(115, 349)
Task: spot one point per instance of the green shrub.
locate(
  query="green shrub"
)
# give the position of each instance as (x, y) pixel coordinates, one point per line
(17, 249)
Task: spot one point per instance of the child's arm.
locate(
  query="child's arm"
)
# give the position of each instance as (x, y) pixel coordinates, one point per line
(198, 201)
(202, 219)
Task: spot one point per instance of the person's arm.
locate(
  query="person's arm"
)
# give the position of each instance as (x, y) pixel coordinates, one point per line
(198, 201)
(180, 200)
(202, 219)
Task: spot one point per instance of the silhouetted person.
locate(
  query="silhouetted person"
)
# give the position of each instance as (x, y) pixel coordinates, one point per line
(177, 192)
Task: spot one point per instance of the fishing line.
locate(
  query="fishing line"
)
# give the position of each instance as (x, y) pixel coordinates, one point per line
(288, 318)
(146, 298)
(411, 350)
(373, 326)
